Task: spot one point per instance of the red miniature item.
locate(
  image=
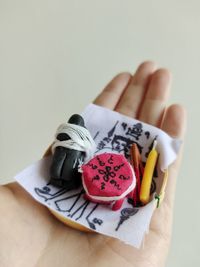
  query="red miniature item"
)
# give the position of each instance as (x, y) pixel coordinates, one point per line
(108, 178)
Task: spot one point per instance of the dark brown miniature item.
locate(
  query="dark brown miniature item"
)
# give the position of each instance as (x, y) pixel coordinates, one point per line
(65, 161)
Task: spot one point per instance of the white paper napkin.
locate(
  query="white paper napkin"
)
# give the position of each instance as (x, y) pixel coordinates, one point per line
(112, 132)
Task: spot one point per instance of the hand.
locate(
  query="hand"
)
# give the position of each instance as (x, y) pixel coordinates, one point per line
(31, 236)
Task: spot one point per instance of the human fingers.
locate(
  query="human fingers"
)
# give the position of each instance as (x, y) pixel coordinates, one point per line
(174, 124)
(111, 94)
(131, 99)
(154, 102)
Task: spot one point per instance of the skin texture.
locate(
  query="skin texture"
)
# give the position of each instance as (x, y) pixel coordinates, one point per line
(31, 236)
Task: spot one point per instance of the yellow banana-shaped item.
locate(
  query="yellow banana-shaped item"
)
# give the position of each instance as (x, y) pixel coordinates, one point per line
(148, 175)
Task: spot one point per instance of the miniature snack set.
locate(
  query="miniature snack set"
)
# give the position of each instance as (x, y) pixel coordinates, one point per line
(105, 172)
(107, 178)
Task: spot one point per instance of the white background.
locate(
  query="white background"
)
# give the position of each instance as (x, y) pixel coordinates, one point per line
(55, 57)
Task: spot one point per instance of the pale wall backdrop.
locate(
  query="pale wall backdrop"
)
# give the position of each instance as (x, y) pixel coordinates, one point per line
(55, 57)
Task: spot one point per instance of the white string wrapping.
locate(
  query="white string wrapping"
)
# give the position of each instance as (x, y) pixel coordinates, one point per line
(80, 139)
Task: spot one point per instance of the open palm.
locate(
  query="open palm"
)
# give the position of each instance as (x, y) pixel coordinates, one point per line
(31, 236)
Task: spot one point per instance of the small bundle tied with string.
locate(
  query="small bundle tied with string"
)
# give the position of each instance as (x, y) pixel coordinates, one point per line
(80, 139)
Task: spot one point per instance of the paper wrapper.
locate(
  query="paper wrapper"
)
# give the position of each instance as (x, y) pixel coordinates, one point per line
(112, 132)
